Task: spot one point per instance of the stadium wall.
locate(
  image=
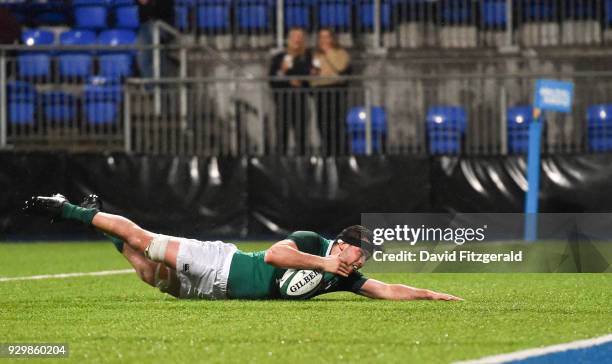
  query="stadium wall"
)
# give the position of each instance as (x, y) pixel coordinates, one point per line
(263, 196)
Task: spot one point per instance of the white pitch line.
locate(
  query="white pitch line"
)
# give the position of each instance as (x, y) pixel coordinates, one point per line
(67, 275)
(524, 354)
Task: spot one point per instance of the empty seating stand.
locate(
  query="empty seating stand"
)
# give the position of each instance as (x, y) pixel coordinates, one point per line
(76, 63)
(356, 127)
(254, 23)
(213, 16)
(21, 103)
(35, 64)
(254, 15)
(102, 100)
(415, 23)
(458, 28)
(445, 127)
(365, 14)
(607, 21)
(182, 14)
(298, 14)
(493, 22)
(404, 23)
(580, 23)
(59, 107)
(519, 118)
(126, 14)
(599, 127)
(539, 22)
(119, 63)
(20, 9)
(214, 22)
(90, 14)
(49, 12)
(494, 14)
(335, 14)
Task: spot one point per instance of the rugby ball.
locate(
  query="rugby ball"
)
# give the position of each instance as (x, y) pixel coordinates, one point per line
(300, 284)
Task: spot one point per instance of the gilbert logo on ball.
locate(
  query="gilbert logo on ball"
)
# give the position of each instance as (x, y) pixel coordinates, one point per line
(300, 284)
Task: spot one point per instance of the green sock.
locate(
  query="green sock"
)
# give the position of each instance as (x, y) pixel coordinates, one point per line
(82, 214)
(116, 241)
(85, 215)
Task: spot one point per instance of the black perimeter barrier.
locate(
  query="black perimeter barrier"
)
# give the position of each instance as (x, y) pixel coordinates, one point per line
(209, 198)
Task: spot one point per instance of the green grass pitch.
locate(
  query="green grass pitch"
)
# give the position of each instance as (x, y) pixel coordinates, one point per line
(119, 319)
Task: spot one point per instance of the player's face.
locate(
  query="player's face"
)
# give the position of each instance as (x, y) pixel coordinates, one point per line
(353, 255)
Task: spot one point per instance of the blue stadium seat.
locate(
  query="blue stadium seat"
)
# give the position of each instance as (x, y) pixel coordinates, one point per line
(580, 9)
(335, 14)
(445, 129)
(608, 12)
(59, 106)
(253, 15)
(90, 14)
(519, 118)
(213, 16)
(36, 37)
(21, 103)
(538, 10)
(182, 11)
(102, 100)
(413, 10)
(116, 63)
(356, 128)
(21, 9)
(599, 127)
(455, 12)
(50, 12)
(93, 2)
(35, 64)
(365, 14)
(126, 14)
(493, 13)
(76, 63)
(297, 14)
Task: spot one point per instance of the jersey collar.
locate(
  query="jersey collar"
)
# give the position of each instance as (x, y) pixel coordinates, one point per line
(329, 247)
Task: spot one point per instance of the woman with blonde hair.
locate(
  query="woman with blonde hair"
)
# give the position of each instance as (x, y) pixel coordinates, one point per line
(331, 95)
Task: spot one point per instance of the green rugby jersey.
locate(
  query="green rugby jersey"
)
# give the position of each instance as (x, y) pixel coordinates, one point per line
(251, 278)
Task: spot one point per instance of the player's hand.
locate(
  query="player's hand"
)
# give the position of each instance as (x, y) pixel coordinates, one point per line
(334, 264)
(436, 296)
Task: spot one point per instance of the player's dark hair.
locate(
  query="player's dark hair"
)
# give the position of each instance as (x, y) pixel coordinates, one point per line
(359, 236)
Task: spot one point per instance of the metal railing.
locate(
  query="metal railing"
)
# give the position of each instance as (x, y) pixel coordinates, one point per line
(381, 24)
(401, 24)
(62, 96)
(372, 115)
(241, 117)
(43, 107)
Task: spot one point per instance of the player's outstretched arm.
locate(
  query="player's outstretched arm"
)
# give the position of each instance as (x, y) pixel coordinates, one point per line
(285, 254)
(377, 289)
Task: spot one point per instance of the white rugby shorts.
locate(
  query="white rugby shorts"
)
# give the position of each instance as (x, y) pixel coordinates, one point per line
(203, 268)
